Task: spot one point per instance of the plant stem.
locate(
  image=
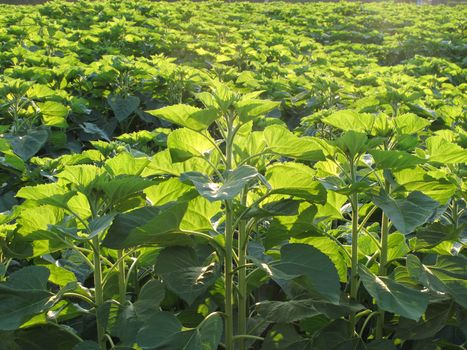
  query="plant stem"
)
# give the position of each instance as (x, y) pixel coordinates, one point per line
(99, 292)
(241, 275)
(229, 232)
(121, 277)
(354, 267)
(383, 260)
(228, 278)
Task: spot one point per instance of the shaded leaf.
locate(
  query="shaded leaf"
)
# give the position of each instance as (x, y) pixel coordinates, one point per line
(394, 297)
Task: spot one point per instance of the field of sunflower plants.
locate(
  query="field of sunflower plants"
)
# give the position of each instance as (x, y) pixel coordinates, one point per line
(235, 176)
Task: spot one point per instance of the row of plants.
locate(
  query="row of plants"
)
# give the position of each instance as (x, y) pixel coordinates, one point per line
(282, 182)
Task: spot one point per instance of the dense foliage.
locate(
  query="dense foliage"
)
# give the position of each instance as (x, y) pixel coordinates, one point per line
(232, 175)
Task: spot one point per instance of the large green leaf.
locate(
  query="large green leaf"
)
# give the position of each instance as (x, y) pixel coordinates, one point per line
(149, 299)
(347, 120)
(51, 194)
(157, 329)
(304, 260)
(235, 181)
(122, 187)
(410, 180)
(436, 317)
(187, 116)
(199, 215)
(442, 151)
(296, 310)
(29, 144)
(169, 191)
(296, 180)
(407, 214)
(125, 164)
(53, 113)
(251, 109)
(283, 142)
(448, 275)
(352, 143)
(281, 228)
(434, 234)
(410, 123)
(185, 273)
(23, 296)
(185, 144)
(207, 335)
(48, 336)
(331, 249)
(146, 225)
(394, 297)
(395, 160)
(123, 106)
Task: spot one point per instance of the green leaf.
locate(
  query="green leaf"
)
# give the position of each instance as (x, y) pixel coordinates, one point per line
(409, 123)
(40, 338)
(58, 275)
(122, 187)
(283, 142)
(407, 213)
(395, 160)
(397, 246)
(187, 116)
(29, 144)
(79, 205)
(53, 113)
(100, 224)
(332, 208)
(436, 317)
(199, 215)
(148, 225)
(296, 180)
(86, 345)
(304, 260)
(251, 109)
(331, 249)
(394, 297)
(185, 144)
(157, 329)
(185, 273)
(286, 311)
(162, 164)
(207, 335)
(149, 299)
(434, 234)
(23, 296)
(280, 207)
(38, 218)
(169, 191)
(83, 177)
(123, 106)
(235, 181)
(347, 120)
(282, 228)
(442, 151)
(448, 275)
(352, 143)
(52, 194)
(125, 164)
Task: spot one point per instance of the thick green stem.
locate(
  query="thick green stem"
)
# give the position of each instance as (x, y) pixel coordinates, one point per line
(229, 233)
(383, 260)
(241, 275)
(98, 290)
(228, 276)
(121, 277)
(354, 267)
